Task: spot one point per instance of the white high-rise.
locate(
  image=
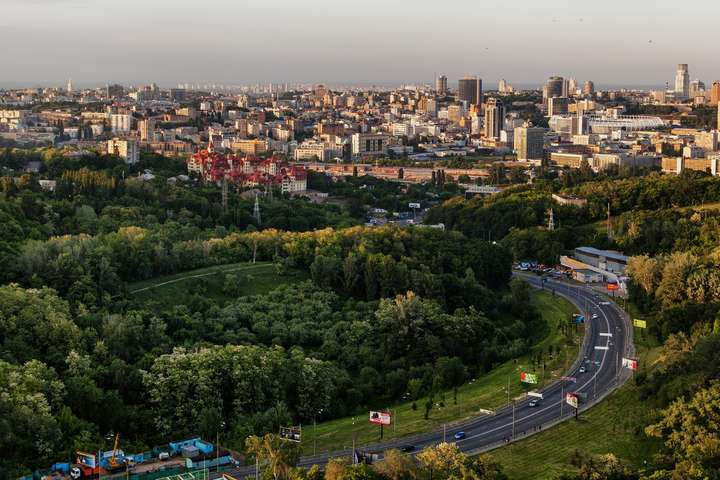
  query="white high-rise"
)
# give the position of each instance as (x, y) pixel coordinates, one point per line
(682, 81)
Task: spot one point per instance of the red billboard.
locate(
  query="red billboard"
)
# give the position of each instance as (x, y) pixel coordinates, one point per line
(380, 418)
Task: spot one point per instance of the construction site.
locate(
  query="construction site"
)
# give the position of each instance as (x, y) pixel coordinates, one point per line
(190, 459)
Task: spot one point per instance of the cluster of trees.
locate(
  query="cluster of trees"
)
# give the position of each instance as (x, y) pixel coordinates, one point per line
(441, 462)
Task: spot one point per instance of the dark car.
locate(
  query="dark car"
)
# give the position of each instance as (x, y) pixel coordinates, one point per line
(459, 435)
(407, 448)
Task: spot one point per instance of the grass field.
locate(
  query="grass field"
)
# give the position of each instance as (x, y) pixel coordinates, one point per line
(614, 426)
(251, 279)
(486, 392)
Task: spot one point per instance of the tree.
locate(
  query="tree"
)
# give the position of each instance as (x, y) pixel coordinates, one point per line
(396, 466)
(451, 372)
(279, 456)
(691, 431)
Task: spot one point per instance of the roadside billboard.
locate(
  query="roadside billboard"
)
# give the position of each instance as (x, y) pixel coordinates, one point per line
(571, 399)
(292, 434)
(528, 377)
(639, 323)
(630, 363)
(612, 287)
(380, 418)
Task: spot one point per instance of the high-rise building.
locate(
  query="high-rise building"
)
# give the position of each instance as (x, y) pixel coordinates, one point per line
(715, 93)
(69, 86)
(554, 88)
(120, 123)
(147, 129)
(502, 86)
(114, 91)
(494, 118)
(589, 88)
(127, 149)
(558, 106)
(529, 143)
(441, 85)
(572, 87)
(697, 88)
(682, 81)
(470, 90)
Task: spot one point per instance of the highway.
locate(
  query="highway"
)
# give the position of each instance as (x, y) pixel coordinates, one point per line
(608, 338)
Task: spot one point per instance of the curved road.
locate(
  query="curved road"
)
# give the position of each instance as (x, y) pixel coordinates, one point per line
(607, 327)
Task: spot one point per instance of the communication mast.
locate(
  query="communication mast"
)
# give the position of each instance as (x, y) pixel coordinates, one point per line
(256, 210)
(551, 220)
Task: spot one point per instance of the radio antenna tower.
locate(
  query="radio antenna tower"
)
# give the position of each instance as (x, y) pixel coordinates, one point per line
(551, 220)
(256, 210)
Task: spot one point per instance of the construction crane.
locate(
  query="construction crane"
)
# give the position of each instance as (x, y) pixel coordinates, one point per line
(113, 462)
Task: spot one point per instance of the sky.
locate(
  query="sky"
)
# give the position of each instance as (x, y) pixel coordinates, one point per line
(383, 42)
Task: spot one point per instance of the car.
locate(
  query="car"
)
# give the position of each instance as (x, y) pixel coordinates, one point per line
(163, 456)
(594, 316)
(582, 370)
(407, 448)
(459, 435)
(534, 403)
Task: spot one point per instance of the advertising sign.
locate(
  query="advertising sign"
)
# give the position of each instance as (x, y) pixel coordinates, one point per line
(380, 418)
(577, 318)
(86, 459)
(571, 399)
(528, 377)
(535, 394)
(293, 434)
(630, 363)
(612, 287)
(639, 323)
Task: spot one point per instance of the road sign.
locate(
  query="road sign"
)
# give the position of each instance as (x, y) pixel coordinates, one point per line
(413, 205)
(639, 323)
(605, 334)
(535, 394)
(571, 399)
(380, 418)
(292, 434)
(528, 377)
(630, 363)
(601, 347)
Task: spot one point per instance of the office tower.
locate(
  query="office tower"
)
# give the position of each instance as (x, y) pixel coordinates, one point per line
(69, 86)
(566, 88)
(502, 86)
(470, 90)
(441, 85)
(715, 93)
(572, 87)
(682, 81)
(529, 143)
(589, 88)
(553, 88)
(494, 118)
(114, 91)
(558, 106)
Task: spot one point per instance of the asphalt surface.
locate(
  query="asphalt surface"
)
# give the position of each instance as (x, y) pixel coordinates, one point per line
(607, 327)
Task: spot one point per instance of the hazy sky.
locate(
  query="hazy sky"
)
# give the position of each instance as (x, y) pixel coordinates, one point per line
(613, 42)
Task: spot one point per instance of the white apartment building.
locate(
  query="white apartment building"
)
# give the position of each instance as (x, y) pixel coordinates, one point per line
(120, 123)
(127, 149)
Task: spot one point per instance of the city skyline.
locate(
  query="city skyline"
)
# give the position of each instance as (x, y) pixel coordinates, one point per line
(98, 42)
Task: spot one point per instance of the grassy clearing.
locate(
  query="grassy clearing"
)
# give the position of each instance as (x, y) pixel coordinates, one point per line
(614, 426)
(250, 278)
(487, 392)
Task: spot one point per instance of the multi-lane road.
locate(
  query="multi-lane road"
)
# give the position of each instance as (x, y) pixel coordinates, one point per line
(595, 373)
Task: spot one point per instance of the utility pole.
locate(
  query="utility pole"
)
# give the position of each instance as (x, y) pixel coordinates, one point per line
(562, 396)
(609, 225)
(513, 422)
(444, 430)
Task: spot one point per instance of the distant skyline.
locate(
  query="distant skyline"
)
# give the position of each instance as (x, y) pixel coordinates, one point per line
(385, 42)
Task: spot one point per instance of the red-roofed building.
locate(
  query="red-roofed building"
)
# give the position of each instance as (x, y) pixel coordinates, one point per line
(248, 170)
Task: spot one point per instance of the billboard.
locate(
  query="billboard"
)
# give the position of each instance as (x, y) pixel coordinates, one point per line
(577, 318)
(380, 418)
(86, 459)
(293, 434)
(639, 323)
(413, 205)
(571, 399)
(630, 363)
(528, 377)
(612, 287)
